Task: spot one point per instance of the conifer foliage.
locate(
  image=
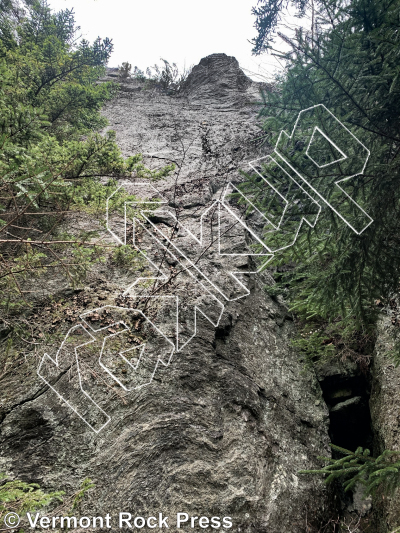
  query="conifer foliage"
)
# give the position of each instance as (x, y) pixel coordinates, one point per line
(52, 154)
(380, 474)
(19, 496)
(349, 62)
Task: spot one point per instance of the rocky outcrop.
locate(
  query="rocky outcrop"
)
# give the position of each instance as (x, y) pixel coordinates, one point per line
(224, 430)
(384, 404)
(206, 87)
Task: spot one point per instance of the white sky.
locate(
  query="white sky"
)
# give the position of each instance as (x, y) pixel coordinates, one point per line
(180, 31)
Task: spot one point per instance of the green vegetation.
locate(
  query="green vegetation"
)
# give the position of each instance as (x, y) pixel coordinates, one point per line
(127, 257)
(86, 485)
(125, 70)
(320, 341)
(377, 475)
(336, 280)
(53, 160)
(168, 76)
(19, 497)
(348, 62)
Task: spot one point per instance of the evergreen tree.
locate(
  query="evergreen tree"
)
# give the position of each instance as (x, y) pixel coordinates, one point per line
(378, 475)
(51, 152)
(348, 63)
(334, 276)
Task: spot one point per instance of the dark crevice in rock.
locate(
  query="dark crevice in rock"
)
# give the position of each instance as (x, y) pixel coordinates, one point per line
(222, 332)
(40, 392)
(205, 144)
(4, 414)
(346, 392)
(347, 398)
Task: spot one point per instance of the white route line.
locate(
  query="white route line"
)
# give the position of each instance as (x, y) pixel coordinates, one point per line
(361, 170)
(56, 362)
(134, 367)
(207, 285)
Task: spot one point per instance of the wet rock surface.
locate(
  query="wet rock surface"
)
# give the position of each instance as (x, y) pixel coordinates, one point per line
(225, 428)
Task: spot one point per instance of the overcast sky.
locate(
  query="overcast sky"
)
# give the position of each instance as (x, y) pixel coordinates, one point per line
(181, 31)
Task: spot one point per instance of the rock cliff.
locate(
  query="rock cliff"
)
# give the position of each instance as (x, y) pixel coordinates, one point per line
(224, 430)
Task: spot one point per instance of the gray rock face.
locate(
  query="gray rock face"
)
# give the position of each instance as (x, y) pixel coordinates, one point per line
(225, 428)
(206, 86)
(384, 404)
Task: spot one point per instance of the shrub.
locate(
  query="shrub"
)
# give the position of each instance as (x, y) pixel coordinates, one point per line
(168, 76)
(125, 70)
